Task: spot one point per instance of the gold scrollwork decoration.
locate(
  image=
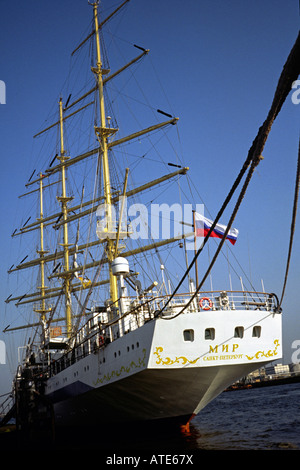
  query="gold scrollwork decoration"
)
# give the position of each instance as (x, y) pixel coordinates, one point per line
(267, 355)
(168, 361)
(116, 373)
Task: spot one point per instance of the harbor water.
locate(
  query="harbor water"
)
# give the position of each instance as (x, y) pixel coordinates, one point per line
(266, 419)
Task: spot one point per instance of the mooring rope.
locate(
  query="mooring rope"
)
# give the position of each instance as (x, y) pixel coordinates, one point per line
(289, 74)
(292, 232)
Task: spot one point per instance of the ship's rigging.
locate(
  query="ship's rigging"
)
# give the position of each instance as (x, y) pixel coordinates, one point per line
(289, 75)
(80, 265)
(63, 267)
(64, 270)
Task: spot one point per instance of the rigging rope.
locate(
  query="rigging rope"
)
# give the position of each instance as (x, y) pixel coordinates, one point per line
(297, 185)
(289, 74)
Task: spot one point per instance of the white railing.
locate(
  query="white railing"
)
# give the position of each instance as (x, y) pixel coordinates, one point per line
(223, 300)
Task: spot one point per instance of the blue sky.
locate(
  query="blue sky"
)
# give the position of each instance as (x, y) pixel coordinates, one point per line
(218, 63)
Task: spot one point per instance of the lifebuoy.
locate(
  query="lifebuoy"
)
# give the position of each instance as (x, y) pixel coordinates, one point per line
(205, 303)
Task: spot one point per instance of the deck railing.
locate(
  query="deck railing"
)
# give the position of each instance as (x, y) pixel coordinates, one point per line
(223, 300)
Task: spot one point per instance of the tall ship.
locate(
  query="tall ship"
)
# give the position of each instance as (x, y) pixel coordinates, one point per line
(114, 336)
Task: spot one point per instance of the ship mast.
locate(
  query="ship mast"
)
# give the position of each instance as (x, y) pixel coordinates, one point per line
(108, 235)
(42, 310)
(102, 133)
(64, 199)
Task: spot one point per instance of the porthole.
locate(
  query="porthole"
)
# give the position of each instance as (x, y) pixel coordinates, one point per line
(209, 333)
(188, 335)
(239, 332)
(256, 332)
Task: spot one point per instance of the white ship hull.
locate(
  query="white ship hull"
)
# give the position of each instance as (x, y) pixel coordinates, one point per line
(155, 372)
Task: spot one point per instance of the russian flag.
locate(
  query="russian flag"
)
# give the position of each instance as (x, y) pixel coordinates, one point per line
(202, 227)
